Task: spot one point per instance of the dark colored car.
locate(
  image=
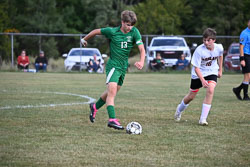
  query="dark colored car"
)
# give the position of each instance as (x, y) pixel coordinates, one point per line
(232, 59)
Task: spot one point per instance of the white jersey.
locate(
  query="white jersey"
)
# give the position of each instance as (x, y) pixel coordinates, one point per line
(206, 60)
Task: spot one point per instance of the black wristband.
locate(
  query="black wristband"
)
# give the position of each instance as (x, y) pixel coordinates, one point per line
(241, 58)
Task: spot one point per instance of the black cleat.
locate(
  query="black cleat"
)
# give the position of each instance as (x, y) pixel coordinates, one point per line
(246, 98)
(237, 93)
(93, 112)
(113, 123)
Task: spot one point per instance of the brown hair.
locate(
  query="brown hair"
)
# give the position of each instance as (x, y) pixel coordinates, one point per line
(209, 33)
(129, 16)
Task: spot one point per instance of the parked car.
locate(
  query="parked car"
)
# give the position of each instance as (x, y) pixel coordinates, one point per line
(78, 59)
(232, 58)
(170, 49)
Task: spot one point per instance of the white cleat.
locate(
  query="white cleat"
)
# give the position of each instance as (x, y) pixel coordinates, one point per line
(177, 115)
(203, 123)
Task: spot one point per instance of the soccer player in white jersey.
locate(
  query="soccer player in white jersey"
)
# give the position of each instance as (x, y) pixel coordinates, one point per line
(207, 63)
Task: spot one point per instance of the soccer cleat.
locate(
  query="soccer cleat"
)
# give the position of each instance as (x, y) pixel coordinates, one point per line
(93, 112)
(237, 93)
(113, 123)
(203, 123)
(246, 98)
(177, 115)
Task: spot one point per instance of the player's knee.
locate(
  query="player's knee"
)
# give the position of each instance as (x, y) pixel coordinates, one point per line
(210, 91)
(190, 97)
(112, 92)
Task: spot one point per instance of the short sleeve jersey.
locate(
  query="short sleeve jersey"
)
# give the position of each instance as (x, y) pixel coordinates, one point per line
(206, 60)
(245, 40)
(121, 45)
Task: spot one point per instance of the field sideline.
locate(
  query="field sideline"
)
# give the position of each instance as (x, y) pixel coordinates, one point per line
(44, 122)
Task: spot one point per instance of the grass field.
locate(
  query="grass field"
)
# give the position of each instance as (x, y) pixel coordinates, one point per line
(41, 127)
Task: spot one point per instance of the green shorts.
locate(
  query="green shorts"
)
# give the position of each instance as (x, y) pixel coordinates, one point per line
(115, 75)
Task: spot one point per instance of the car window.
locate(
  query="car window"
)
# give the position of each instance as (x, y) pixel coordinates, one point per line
(234, 50)
(84, 53)
(168, 42)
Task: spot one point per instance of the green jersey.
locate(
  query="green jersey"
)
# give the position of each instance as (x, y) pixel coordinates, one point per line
(121, 45)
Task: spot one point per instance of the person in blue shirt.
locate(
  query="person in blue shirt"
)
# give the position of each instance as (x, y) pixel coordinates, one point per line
(245, 63)
(94, 64)
(182, 63)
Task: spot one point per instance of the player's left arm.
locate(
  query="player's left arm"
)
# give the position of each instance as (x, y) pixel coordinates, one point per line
(220, 62)
(242, 61)
(90, 35)
(139, 65)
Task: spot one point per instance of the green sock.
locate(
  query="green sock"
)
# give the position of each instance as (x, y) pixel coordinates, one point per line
(111, 111)
(99, 103)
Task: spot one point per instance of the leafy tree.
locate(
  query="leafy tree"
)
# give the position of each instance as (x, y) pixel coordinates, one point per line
(227, 17)
(38, 17)
(4, 39)
(161, 16)
(246, 9)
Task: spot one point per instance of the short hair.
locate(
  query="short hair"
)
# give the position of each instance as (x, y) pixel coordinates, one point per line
(209, 33)
(129, 16)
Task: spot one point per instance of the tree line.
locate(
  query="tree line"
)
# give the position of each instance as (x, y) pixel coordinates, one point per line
(158, 17)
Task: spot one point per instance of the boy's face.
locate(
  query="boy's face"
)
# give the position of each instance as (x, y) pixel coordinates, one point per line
(209, 43)
(158, 56)
(126, 27)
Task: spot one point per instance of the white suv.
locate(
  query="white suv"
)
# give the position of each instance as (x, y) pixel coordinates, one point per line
(170, 48)
(78, 58)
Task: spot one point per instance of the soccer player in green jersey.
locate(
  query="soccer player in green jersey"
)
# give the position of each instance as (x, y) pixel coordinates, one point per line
(121, 40)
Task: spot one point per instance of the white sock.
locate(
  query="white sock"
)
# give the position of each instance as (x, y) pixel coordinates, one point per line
(246, 83)
(182, 106)
(205, 111)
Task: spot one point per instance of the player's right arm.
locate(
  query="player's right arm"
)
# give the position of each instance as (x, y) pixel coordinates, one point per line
(90, 35)
(196, 62)
(199, 74)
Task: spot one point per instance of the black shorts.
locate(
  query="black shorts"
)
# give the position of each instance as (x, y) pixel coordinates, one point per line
(196, 83)
(246, 69)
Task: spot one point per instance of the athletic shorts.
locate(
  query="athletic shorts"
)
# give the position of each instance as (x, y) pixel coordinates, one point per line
(196, 83)
(115, 75)
(246, 69)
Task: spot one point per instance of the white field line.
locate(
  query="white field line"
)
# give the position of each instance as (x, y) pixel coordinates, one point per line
(90, 100)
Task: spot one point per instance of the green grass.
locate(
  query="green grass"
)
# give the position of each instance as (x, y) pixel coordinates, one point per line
(64, 136)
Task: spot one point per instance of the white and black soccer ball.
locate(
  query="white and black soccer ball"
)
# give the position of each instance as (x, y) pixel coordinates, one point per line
(134, 128)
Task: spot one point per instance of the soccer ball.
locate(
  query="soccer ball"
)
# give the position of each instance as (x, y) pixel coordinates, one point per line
(134, 128)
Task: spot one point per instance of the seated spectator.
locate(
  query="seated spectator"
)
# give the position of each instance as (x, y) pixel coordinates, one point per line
(182, 63)
(94, 64)
(158, 63)
(41, 62)
(23, 61)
